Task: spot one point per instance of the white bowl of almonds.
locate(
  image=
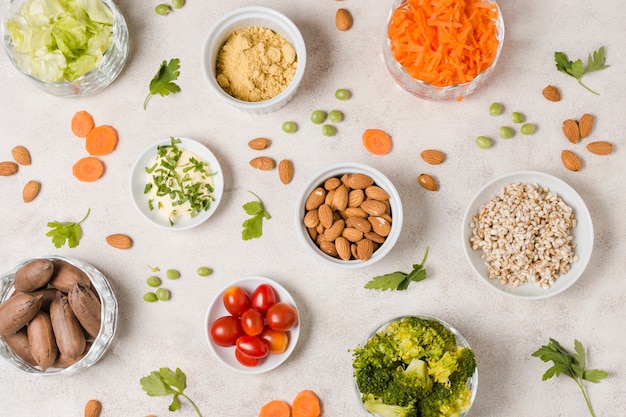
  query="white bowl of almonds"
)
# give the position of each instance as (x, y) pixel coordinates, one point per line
(528, 235)
(349, 215)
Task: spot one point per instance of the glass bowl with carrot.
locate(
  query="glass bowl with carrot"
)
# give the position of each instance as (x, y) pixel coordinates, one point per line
(442, 50)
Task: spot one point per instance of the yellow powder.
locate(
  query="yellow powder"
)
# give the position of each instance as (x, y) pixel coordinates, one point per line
(256, 64)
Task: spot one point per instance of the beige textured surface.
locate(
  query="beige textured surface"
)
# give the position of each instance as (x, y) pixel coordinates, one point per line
(336, 310)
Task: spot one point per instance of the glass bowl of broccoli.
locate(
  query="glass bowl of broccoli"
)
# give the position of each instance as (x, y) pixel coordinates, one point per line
(413, 366)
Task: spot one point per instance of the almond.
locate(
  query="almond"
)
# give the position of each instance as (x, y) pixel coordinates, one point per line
(355, 198)
(342, 246)
(571, 160)
(328, 248)
(315, 199)
(285, 171)
(352, 234)
(585, 124)
(551, 93)
(374, 207)
(376, 193)
(119, 241)
(427, 182)
(433, 156)
(361, 224)
(334, 231)
(343, 20)
(340, 198)
(359, 181)
(354, 211)
(93, 408)
(258, 144)
(571, 130)
(374, 237)
(332, 183)
(380, 226)
(8, 168)
(364, 249)
(30, 191)
(325, 215)
(263, 163)
(600, 147)
(21, 155)
(311, 219)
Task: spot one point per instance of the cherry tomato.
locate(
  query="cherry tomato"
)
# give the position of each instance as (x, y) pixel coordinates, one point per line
(263, 298)
(226, 330)
(277, 341)
(253, 346)
(246, 360)
(282, 316)
(236, 300)
(252, 322)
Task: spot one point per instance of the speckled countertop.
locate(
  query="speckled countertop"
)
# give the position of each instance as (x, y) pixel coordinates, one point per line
(336, 311)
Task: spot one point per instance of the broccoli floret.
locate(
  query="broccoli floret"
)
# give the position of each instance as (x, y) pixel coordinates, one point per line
(409, 384)
(376, 406)
(414, 337)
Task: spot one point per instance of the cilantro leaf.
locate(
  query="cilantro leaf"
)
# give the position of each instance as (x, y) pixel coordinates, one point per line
(576, 69)
(163, 81)
(399, 281)
(167, 382)
(66, 232)
(253, 227)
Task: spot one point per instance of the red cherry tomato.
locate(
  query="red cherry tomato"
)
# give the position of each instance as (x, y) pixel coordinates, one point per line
(277, 341)
(236, 300)
(253, 346)
(252, 322)
(282, 316)
(246, 360)
(226, 330)
(263, 298)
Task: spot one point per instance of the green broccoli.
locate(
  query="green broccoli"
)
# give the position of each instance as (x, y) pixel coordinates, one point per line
(376, 406)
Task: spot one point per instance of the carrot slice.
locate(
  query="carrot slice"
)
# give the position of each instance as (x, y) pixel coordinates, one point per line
(306, 404)
(88, 169)
(275, 408)
(376, 141)
(101, 140)
(82, 123)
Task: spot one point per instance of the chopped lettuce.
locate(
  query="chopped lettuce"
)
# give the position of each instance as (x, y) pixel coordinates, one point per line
(60, 40)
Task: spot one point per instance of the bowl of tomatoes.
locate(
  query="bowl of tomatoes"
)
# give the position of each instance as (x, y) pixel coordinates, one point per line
(252, 325)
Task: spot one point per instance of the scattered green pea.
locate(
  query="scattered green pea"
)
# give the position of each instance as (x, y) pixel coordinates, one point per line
(495, 109)
(289, 127)
(328, 130)
(163, 294)
(153, 281)
(505, 132)
(177, 4)
(483, 142)
(172, 274)
(150, 297)
(162, 9)
(318, 116)
(517, 117)
(204, 271)
(335, 116)
(527, 129)
(342, 94)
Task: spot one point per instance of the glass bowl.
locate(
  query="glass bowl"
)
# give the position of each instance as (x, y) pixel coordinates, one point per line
(102, 341)
(425, 90)
(105, 71)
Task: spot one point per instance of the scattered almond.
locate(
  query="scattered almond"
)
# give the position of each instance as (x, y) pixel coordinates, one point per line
(585, 124)
(571, 161)
(258, 144)
(8, 168)
(21, 155)
(285, 171)
(119, 241)
(263, 163)
(93, 408)
(600, 147)
(433, 156)
(571, 130)
(343, 20)
(552, 93)
(427, 182)
(31, 189)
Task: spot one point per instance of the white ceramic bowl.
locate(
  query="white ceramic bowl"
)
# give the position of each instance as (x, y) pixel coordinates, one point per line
(338, 170)
(109, 311)
(247, 17)
(226, 355)
(582, 233)
(139, 178)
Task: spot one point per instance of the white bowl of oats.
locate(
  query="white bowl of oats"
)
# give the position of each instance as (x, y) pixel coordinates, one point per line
(528, 235)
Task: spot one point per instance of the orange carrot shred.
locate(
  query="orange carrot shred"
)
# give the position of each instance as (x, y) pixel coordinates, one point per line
(376, 141)
(101, 140)
(306, 404)
(88, 169)
(275, 408)
(82, 123)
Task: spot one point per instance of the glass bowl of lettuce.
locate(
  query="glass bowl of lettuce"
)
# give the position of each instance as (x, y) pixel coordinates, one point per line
(68, 48)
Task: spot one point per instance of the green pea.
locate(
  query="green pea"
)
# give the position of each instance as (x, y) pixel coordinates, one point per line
(517, 117)
(177, 4)
(335, 116)
(153, 281)
(150, 297)
(162, 9)
(318, 116)
(289, 127)
(204, 271)
(163, 294)
(505, 132)
(342, 94)
(495, 109)
(527, 129)
(328, 130)
(483, 142)
(172, 274)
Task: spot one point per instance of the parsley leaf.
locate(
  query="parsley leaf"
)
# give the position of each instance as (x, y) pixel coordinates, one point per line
(571, 365)
(576, 69)
(253, 227)
(66, 232)
(163, 81)
(167, 382)
(399, 280)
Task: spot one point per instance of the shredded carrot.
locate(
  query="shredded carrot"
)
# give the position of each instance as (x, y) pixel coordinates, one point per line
(306, 404)
(376, 141)
(275, 408)
(101, 140)
(88, 169)
(444, 42)
(82, 123)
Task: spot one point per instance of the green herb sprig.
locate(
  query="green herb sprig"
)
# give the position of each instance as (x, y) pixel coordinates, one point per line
(163, 81)
(576, 69)
(167, 382)
(253, 227)
(573, 366)
(66, 232)
(399, 280)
